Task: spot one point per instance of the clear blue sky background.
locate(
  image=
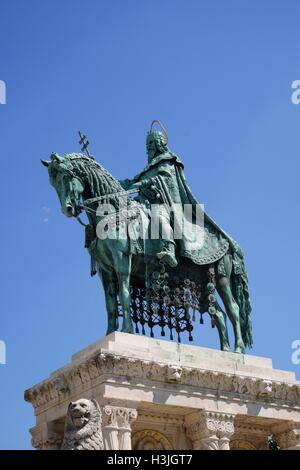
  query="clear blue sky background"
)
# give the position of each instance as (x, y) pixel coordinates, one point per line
(218, 74)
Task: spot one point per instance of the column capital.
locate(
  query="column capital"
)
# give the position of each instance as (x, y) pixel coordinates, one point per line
(116, 425)
(118, 416)
(287, 435)
(210, 430)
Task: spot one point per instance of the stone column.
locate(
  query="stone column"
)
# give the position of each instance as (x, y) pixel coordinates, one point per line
(44, 437)
(116, 427)
(209, 430)
(125, 418)
(287, 435)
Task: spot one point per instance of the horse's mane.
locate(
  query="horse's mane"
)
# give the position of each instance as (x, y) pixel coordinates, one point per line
(100, 181)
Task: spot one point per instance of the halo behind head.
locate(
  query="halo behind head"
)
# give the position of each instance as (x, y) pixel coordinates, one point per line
(162, 128)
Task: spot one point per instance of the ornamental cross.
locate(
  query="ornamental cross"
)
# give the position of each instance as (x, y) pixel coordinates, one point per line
(85, 143)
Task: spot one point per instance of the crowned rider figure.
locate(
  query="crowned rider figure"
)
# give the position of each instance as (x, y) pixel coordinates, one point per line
(162, 184)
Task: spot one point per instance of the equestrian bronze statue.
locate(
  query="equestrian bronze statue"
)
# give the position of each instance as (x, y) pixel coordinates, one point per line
(160, 257)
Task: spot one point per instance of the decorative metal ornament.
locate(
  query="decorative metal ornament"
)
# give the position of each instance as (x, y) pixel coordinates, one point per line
(84, 144)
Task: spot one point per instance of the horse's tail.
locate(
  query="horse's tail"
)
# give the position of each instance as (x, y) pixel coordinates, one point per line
(239, 286)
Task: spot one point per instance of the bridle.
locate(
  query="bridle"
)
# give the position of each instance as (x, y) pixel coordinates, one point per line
(98, 199)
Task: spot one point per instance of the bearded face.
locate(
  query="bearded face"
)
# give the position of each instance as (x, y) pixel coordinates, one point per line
(79, 412)
(155, 144)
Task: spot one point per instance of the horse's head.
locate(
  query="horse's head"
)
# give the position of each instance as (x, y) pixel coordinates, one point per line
(67, 183)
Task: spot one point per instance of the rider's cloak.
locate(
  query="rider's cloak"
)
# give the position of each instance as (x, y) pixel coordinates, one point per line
(165, 174)
(200, 239)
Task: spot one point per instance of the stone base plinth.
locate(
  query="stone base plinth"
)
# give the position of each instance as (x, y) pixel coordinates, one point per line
(157, 394)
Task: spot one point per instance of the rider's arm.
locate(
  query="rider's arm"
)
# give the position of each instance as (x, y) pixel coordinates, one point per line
(131, 184)
(126, 183)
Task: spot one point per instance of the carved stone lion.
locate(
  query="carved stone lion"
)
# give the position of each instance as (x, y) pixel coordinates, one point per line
(265, 388)
(83, 426)
(174, 373)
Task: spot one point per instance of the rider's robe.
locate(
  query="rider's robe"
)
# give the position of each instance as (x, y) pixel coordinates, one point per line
(165, 173)
(203, 245)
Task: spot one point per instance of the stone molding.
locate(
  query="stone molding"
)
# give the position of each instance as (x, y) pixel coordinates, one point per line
(75, 377)
(248, 429)
(163, 419)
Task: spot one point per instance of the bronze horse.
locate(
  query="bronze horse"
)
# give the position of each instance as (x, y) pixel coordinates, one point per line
(81, 183)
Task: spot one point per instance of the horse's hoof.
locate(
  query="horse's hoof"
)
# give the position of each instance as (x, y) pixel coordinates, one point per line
(127, 330)
(239, 350)
(111, 330)
(226, 348)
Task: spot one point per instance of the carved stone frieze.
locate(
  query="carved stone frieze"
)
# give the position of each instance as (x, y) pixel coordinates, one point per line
(78, 377)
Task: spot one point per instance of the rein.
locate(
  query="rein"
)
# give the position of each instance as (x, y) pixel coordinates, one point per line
(100, 198)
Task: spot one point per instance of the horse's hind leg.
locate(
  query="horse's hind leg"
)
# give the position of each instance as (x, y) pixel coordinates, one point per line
(220, 322)
(111, 291)
(232, 308)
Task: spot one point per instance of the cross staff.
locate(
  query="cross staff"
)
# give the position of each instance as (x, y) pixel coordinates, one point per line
(85, 143)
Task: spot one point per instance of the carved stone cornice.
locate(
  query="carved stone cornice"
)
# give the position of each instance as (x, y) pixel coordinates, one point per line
(102, 365)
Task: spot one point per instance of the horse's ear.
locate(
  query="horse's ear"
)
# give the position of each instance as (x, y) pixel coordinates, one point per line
(45, 162)
(55, 156)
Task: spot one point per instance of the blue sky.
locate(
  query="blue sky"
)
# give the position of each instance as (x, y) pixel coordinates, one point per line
(218, 75)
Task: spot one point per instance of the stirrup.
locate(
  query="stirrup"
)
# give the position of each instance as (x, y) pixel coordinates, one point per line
(167, 258)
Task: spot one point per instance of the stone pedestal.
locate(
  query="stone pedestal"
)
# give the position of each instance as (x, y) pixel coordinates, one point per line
(157, 394)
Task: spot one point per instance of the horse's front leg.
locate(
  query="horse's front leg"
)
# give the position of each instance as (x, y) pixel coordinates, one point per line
(123, 270)
(109, 282)
(232, 308)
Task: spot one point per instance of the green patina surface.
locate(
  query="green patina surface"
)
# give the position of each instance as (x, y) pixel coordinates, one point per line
(81, 183)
